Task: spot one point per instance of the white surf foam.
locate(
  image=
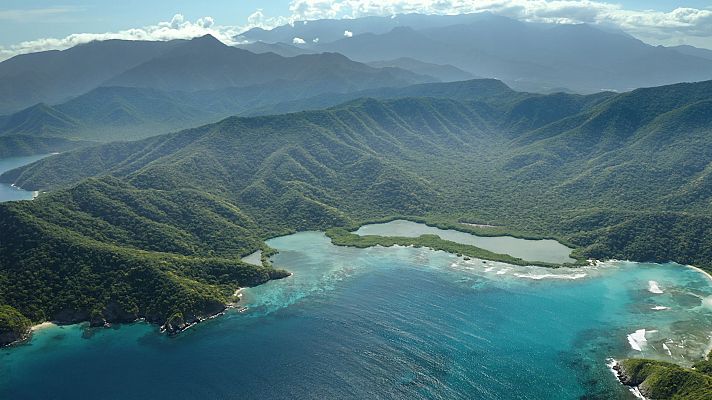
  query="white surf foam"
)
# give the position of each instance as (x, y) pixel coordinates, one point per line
(552, 276)
(707, 302)
(653, 287)
(658, 308)
(637, 340)
(611, 363)
(636, 393)
(667, 349)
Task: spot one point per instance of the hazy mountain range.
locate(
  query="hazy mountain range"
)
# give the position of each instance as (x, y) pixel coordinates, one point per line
(529, 56)
(119, 90)
(181, 65)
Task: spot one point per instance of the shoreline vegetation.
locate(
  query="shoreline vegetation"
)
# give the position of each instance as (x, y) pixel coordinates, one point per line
(174, 325)
(702, 271)
(179, 321)
(646, 378)
(342, 237)
(345, 236)
(653, 379)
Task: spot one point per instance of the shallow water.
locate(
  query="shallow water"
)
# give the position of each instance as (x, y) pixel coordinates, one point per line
(8, 192)
(384, 323)
(546, 250)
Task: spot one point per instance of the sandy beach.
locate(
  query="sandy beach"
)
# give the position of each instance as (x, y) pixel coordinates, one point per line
(702, 271)
(43, 325)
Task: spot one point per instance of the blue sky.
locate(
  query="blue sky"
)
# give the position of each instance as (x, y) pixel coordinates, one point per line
(72, 16)
(654, 21)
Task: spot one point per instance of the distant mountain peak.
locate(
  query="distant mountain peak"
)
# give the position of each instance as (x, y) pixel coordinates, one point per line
(208, 39)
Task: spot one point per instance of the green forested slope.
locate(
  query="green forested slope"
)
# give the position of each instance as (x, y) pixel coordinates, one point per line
(184, 207)
(106, 251)
(663, 380)
(130, 113)
(26, 145)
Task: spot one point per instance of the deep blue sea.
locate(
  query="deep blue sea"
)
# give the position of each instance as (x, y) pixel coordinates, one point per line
(387, 323)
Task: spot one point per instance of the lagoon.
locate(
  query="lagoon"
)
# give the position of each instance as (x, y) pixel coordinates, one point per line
(544, 250)
(388, 323)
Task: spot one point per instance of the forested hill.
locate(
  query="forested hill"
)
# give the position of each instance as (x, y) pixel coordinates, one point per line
(157, 227)
(127, 90)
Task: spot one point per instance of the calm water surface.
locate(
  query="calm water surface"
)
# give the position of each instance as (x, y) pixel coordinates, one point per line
(387, 323)
(546, 250)
(8, 192)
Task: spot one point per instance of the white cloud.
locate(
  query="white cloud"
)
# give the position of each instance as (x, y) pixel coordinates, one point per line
(348, 34)
(205, 22)
(258, 20)
(315, 40)
(298, 40)
(177, 28)
(686, 24)
(681, 25)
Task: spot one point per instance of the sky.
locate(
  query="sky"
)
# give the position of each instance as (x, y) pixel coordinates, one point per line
(35, 25)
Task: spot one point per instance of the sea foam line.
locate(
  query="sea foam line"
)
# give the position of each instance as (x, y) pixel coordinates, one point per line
(612, 365)
(552, 276)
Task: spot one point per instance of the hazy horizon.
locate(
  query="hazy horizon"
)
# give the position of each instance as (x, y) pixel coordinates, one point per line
(29, 26)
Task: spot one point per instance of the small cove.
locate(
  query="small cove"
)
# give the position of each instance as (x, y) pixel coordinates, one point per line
(9, 192)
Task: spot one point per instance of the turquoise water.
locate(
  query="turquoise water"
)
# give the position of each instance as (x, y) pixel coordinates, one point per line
(546, 250)
(8, 192)
(386, 323)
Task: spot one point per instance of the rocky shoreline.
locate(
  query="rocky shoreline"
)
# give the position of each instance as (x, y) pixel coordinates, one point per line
(174, 325)
(627, 380)
(16, 329)
(13, 338)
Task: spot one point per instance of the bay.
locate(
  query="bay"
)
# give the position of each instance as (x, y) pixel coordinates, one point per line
(9, 192)
(387, 323)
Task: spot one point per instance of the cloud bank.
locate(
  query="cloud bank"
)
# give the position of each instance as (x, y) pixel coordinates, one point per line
(681, 25)
(688, 25)
(177, 28)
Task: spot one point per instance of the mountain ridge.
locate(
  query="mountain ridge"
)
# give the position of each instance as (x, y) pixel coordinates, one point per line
(527, 56)
(156, 228)
(56, 76)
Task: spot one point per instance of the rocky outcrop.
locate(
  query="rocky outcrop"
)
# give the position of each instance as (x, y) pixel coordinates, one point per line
(654, 379)
(10, 337)
(179, 322)
(14, 326)
(631, 380)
